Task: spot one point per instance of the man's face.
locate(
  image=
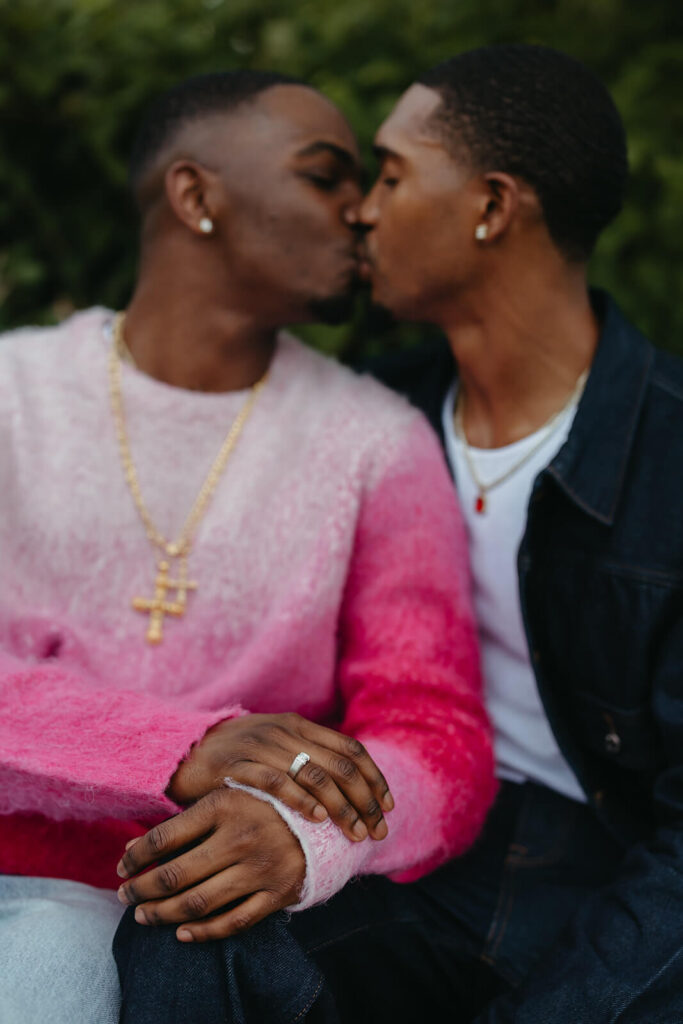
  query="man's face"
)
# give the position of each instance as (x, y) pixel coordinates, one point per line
(420, 215)
(289, 166)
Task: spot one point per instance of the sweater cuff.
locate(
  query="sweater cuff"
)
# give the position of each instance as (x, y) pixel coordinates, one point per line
(331, 859)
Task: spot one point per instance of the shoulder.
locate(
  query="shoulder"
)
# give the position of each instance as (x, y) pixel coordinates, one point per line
(35, 352)
(348, 396)
(363, 420)
(660, 435)
(659, 439)
(423, 374)
(666, 378)
(629, 366)
(651, 491)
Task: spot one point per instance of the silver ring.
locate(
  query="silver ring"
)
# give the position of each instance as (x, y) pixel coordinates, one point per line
(297, 764)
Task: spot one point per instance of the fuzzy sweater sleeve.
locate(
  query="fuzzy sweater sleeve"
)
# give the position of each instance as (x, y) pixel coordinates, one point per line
(409, 678)
(69, 749)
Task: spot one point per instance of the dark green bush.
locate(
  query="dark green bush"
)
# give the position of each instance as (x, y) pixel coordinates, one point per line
(75, 74)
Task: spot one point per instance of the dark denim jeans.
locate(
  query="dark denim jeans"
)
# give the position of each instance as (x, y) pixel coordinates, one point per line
(440, 949)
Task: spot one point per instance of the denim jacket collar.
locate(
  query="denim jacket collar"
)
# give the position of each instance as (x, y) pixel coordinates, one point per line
(590, 466)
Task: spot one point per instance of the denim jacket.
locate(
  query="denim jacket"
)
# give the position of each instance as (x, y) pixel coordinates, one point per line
(601, 589)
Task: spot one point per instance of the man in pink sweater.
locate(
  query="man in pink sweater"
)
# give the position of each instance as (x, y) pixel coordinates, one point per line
(208, 547)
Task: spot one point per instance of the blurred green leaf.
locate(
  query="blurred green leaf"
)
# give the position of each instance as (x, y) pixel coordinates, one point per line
(77, 73)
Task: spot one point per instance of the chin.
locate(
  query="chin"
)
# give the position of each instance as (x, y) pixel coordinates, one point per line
(334, 309)
(380, 294)
(385, 302)
(380, 318)
(401, 305)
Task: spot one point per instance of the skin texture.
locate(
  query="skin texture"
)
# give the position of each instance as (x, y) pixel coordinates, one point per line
(515, 310)
(279, 180)
(238, 853)
(230, 829)
(340, 779)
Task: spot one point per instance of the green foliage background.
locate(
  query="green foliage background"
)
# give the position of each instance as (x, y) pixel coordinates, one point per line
(74, 75)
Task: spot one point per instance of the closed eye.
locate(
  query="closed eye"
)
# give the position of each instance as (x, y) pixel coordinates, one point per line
(322, 181)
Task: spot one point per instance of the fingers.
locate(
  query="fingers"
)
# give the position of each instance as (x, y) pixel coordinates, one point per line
(173, 876)
(278, 784)
(337, 784)
(238, 919)
(198, 901)
(222, 829)
(248, 850)
(341, 780)
(315, 794)
(350, 749)
(336, 774)
(167, 837)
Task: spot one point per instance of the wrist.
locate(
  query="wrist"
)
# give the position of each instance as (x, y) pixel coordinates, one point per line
(194, 777)
(188, 783)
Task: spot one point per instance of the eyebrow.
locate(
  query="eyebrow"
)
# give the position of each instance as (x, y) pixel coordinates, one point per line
(347, 159)
(384, 153)
(343, 155)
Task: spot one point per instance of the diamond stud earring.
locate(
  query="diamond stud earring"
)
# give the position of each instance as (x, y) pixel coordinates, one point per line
(481, 232)
(206, 225)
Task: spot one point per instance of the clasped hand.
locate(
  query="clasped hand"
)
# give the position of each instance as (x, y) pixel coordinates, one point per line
(341, 779)
(240, 850)
(242, 855)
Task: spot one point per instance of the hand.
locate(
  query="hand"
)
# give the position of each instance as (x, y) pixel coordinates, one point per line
(243, 851)
(341, 779)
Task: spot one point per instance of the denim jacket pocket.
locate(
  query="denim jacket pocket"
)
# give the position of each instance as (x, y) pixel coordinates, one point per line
(622, 736)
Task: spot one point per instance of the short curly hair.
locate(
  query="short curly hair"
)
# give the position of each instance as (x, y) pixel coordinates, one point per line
(541, 115)
(189, 100)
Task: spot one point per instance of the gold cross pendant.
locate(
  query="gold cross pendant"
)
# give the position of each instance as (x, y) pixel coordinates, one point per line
(157, 607)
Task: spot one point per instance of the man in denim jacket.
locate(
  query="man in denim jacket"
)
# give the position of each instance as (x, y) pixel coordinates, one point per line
(563, 428)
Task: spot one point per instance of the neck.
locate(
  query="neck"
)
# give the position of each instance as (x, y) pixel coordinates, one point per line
(186, 331)
(520, 353)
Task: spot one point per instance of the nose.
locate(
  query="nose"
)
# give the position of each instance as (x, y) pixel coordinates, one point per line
(353, 220)
(362, 216)
(351, 210)
(368, 211)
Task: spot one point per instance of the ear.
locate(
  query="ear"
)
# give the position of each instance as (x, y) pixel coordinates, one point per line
(499, 202)
(193, 193)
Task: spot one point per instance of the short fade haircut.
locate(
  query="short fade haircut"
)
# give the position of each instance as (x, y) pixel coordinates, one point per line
(213, 93)
(544, 117)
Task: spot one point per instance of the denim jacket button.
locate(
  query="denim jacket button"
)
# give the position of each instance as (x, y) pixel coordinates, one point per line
(612, 743)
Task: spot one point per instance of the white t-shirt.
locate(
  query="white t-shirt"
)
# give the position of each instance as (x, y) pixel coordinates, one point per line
(525, 746)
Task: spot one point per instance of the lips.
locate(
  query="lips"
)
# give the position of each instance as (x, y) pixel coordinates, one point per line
(365, 270)
(364, 263)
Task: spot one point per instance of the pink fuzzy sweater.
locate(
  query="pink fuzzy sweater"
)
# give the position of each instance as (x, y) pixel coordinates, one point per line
(332, 581)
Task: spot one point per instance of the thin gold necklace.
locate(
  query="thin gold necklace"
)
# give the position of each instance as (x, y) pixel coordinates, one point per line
(549, 428)
(159, 606)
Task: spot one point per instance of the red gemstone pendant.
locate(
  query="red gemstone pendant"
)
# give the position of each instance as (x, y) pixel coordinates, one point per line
(480, 504)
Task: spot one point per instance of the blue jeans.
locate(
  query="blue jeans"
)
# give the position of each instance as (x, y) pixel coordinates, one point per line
(438, 949)
(56, 965)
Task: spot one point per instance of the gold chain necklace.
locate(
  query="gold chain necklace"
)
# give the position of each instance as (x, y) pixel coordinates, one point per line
(159, 606)
(549, 428)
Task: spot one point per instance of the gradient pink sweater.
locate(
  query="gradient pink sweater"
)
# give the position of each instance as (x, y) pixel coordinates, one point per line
(332, 581)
